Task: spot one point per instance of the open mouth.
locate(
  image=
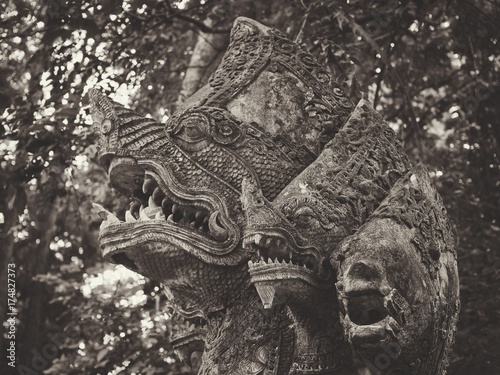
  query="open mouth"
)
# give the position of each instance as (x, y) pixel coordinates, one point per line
(373, 317)
(151, 202)
(187, 336)
(187, 329)
(275, 263)
(274, 251)
(166, 219)
(366, 307)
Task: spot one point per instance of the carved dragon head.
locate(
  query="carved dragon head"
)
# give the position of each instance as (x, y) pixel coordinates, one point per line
(264, 177)
(295, 235)
(398, 280)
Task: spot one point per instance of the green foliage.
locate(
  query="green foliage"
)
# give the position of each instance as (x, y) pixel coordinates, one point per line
(431, 68)
(118, 322)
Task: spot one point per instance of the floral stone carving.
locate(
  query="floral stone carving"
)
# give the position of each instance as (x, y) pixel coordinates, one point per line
(287, 225)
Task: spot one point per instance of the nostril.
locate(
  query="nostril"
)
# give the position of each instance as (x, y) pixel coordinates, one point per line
(366, 309)
(122, 258)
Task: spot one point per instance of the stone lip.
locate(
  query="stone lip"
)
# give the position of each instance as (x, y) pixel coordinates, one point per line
(276, 271)
(188, 335)
(156, 238)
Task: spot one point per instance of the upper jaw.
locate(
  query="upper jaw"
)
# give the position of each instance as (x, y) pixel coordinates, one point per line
(278, 246)
(279, 266)
(199, 222)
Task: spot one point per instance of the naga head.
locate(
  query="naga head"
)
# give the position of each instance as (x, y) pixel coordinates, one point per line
(254, 121)
(398, 281)
(293, 236)
(265, 114)
(361, 205)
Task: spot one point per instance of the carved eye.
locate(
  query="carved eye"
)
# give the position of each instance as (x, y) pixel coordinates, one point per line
(304, 215)
(191, 133)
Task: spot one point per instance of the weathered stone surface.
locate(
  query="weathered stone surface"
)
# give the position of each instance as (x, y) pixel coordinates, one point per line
(288, 227)
(398, 279)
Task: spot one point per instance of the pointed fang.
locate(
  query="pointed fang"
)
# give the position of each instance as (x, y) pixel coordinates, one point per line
(149, 182)
(104, 214)
(257, 239)
(129, 218)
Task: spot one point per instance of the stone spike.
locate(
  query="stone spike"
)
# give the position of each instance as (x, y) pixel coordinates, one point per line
(151, 202)
(266, 293)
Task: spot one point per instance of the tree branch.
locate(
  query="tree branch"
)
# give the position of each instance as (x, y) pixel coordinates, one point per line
(202, 26)
(300, 34)
(379, 83)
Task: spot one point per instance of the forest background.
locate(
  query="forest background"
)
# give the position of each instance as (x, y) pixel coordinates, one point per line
(432, 68)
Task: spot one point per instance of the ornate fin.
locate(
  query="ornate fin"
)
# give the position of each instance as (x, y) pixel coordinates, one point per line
(267, 79)
(121, 129)
(350, 178)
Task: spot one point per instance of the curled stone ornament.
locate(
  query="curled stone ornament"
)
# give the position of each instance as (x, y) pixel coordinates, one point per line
(288, 226)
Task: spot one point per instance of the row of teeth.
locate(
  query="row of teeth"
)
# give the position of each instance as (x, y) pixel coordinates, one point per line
(160, 206)
(277, 261)
(151, 203)
(172, 212)
(276, 245)
(307, 264)
(260, 240)
(190, 325)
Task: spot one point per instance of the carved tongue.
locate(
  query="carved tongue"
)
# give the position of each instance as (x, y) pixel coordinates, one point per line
(217, 232)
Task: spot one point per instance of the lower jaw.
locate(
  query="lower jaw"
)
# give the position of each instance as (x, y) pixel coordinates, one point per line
(286, 283)
(165, 243)
(169, 264)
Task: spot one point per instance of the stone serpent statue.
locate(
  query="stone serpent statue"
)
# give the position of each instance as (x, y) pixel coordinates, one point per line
(287, 225)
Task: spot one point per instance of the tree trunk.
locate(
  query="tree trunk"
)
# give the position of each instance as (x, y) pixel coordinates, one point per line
(208, 48)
